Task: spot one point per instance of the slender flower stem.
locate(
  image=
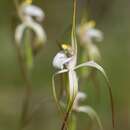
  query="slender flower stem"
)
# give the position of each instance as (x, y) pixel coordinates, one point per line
(26, 77)
(16, 3)
(73, 34)
(73, 123)
(67, 116)
(74, 47)
(25, 72)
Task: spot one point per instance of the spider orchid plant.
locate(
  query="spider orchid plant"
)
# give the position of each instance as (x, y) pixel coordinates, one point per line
(86, 109)
(66, 62)
(30, 33)
(29, 37)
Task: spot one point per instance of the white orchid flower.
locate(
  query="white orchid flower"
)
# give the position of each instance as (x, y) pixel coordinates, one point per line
(61, 60)
(32, 11)
(80, 97)
(26, 13)
(86, 109)
(87, 33)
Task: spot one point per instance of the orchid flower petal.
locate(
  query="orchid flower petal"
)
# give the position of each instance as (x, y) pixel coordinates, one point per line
(80, 97)
(60, 60)
(73, 85)
(94, 34)
(38, 30)
(54, 88)
(19, 33)
(32, 11)
(87, 33)
(92, 114)
(93, 64)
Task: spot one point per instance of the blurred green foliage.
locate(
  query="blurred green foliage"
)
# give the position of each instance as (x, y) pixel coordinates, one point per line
(114, 20)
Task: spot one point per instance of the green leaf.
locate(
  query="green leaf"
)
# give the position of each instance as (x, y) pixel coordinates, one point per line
(93, 64)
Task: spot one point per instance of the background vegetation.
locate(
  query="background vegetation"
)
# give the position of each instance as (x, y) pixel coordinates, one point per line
(112, 17)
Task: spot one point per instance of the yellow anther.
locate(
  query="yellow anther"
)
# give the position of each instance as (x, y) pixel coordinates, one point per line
(91, 23)
(87, 25)
(65, 46)
(29, 1)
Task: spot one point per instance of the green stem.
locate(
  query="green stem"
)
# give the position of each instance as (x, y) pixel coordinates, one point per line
(16, 3)
(74, 47)
(73, 33)
(73, 123)
(28, 54)
(26, 77)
